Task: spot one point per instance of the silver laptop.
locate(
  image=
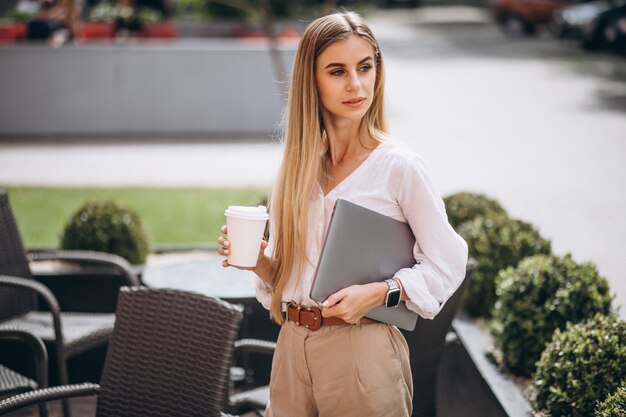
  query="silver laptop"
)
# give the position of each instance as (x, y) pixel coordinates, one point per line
(363, 246)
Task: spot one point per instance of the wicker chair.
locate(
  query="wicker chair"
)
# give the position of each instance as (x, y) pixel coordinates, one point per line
(65, 334)
(426, 343)
(254, 399)
(12, 382)
(169, 356)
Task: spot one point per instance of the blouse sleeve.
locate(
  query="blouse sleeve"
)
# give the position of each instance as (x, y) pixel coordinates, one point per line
(263, 289)
(440, 253)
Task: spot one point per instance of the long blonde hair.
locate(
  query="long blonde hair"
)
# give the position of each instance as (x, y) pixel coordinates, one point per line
(306, 144)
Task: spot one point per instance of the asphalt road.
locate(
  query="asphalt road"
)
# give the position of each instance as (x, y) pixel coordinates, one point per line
(536, 123)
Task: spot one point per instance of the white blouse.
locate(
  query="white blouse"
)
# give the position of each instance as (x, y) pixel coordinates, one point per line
(392, 181)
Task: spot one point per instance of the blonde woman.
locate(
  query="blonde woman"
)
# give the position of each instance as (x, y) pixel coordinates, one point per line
(335, 146)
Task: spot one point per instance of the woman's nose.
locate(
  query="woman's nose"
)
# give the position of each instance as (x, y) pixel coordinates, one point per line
(354, 82)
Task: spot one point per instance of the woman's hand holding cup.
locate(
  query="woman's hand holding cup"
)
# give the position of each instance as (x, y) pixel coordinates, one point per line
(244, 245)
(225, 250)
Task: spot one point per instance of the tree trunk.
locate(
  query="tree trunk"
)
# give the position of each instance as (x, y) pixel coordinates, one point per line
(269, 27)
(70, 20)
(330, 6)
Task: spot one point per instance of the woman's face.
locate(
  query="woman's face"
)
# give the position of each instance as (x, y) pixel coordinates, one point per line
(345, 73)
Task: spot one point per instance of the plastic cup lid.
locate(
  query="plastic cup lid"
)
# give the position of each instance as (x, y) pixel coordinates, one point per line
(250, 213)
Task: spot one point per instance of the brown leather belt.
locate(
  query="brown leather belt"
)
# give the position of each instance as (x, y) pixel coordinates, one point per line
(311, 317)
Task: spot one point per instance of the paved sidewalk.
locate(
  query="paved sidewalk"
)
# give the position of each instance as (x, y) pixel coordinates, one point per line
(232, 162)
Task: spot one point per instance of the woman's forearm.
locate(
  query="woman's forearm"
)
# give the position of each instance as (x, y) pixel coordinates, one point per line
(263, 269)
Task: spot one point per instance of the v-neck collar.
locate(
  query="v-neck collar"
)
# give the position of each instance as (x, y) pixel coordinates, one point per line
(360, 167)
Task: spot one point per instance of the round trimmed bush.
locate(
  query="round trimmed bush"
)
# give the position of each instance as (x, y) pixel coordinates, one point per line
(464, 206)
(107, 226)
(541, 295)
(580, 366)
(614, 405)
(496, 242)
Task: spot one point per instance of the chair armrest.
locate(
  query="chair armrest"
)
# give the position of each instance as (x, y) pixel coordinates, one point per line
(39, 288)
(39, 352)
(48, 297)
(102, 258)
(47, 394)
(255, 346)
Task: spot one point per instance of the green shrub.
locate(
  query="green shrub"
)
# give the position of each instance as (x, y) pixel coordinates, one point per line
(107, 226)
(149, 15)
(496, 242)
(224, 11)
(106, 12)
(464, 206)
(542, 294)
(17, 15)
(579, 367)
(614, 405)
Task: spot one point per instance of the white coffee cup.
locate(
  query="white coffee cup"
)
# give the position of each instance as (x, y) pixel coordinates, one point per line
(245, 232)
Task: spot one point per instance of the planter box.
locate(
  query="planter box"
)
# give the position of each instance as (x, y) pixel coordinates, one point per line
(161, 30)
(91, 30)
(10, 32)
(469, 384)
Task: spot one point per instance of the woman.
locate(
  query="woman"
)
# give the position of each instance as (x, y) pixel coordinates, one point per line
(336, 147)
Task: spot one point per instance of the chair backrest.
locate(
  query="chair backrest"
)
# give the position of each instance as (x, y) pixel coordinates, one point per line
(429, 335)
(13, 262)
(426, 343)
(169, 355)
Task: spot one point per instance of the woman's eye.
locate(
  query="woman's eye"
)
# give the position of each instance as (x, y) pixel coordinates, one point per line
(337, 72)
(365, 68)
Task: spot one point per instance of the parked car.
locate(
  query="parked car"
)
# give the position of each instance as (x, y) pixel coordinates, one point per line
(398, 3)
(595, 24)
(615, 30)
(620, 36)
(521, 17)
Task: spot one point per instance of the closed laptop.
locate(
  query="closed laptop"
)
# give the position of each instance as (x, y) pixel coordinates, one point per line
(361, 247)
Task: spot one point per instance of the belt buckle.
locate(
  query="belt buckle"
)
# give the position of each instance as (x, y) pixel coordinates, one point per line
(317, 316)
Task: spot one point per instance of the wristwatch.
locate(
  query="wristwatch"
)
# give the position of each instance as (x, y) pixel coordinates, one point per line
(393, 293)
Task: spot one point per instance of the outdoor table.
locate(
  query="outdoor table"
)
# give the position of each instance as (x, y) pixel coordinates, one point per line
(207, 277)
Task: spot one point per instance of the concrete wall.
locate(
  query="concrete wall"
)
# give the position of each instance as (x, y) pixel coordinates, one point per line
(187, 87)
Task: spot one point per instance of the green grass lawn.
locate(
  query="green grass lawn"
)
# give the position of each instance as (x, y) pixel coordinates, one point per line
(172, 216)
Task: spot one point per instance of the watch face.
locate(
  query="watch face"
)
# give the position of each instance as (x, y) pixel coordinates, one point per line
(393, 298)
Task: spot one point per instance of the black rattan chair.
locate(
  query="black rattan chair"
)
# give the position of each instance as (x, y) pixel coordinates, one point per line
(426, 343)
(254, 399)
(169, 356)
(12, 382)
(65, 334)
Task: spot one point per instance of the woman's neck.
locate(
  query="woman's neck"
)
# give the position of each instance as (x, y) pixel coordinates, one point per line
(347, 140)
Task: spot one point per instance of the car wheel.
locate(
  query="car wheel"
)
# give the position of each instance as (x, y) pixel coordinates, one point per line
(555, 30)
(593, 42)
(529, 29)
(515, 26)
(614, 33)
(620, 39)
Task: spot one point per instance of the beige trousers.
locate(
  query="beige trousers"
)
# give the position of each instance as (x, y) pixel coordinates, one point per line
(342, 371)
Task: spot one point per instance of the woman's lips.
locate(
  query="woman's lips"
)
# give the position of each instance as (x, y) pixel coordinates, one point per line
(354, 102)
